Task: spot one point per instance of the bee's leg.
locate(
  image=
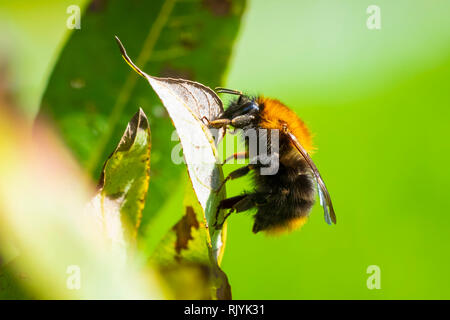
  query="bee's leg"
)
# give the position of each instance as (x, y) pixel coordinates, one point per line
(237, 174)
(219, 123)
(237, 122)
(235, 204)
(242, 121)
(237, 155)
(227, 204)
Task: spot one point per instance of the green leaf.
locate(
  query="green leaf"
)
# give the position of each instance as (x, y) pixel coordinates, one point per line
(188, 103)
(123, 185)
(91, 94)
(192, 245)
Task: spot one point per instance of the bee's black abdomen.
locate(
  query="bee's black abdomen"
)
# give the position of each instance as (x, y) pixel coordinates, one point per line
(289, 195)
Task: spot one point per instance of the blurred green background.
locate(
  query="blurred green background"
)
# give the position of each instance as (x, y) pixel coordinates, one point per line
(378, 104)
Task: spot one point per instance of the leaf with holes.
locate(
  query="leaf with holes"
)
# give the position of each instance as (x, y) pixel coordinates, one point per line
(91, 94)
(188, 103)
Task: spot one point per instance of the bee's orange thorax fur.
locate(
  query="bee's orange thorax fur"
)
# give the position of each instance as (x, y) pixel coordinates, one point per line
(275, 114)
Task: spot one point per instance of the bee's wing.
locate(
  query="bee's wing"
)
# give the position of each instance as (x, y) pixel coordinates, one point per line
(325, 199)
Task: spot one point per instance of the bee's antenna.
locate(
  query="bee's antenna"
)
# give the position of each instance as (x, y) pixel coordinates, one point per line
(229, 91)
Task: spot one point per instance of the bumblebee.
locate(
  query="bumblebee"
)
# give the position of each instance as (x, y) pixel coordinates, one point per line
(283, 200)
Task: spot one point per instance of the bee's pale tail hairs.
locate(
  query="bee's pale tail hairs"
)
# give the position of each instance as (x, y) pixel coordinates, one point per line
(229, 91)
(127, 59)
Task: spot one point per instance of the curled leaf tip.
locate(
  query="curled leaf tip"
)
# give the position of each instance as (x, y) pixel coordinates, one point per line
(127, 58)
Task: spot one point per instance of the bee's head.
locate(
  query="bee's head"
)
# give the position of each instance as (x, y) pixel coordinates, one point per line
(242, 105)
